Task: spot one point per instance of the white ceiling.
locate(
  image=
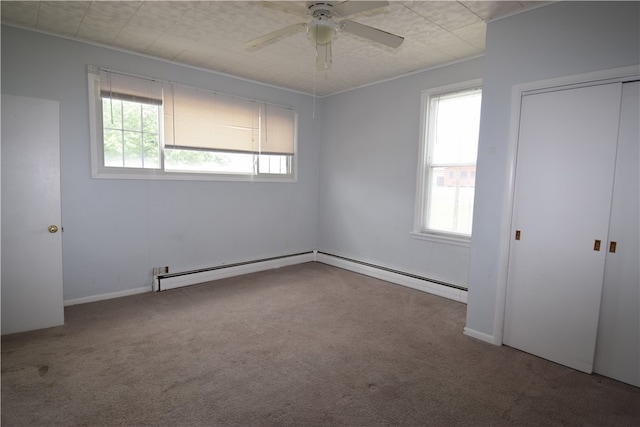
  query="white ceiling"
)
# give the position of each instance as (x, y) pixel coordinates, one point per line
(211, 35)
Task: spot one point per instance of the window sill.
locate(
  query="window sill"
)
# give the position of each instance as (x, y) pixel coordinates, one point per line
(153, 174)
(447, 239)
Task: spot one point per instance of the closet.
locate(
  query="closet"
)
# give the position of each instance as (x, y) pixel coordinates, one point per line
(573, 286)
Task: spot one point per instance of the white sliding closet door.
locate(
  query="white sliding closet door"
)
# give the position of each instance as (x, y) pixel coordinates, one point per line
(618, 345)
(564, 178)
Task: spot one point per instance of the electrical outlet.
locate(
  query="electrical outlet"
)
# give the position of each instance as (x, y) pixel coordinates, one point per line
(160, 270)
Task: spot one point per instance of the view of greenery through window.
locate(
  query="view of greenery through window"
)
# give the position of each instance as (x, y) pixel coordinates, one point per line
(131, 134)
(207, 161)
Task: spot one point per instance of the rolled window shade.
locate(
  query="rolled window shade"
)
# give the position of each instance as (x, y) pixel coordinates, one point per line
(129, 88)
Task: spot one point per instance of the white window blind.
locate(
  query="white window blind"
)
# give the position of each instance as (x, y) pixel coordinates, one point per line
(200, 119)
(129, 88)
(279, 134)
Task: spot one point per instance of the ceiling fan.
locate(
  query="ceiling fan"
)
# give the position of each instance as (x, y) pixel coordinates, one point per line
(323, 28)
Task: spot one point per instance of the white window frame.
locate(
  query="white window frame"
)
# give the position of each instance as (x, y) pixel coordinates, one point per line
(99, 170)
(422, 184)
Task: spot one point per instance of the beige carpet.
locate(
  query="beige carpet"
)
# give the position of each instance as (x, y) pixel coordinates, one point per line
(306, 345)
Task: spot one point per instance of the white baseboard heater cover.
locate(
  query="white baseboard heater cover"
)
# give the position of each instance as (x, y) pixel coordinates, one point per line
(168, 281)
(420, 283)
(163, 282)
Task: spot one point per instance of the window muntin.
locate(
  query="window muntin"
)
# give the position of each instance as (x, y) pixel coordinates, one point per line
(146, 128)
(446, 187)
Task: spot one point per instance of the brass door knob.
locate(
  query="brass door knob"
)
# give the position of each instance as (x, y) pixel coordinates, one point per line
(53, 229)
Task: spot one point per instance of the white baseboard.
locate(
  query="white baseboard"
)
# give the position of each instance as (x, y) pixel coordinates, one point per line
(172, 282)
(411, 282)
(109, 295)
(481, 336)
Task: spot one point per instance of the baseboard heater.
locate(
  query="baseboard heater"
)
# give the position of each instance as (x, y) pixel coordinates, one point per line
(163, 282)
(414, 281)
(166, 281)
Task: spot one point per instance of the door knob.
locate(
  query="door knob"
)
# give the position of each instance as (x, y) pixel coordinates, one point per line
(53, 229)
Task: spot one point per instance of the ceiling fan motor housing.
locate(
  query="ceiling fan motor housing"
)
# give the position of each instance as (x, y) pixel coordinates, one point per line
(322, 30)
(320, 8)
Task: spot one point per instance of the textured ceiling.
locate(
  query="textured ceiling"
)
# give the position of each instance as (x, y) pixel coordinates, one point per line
(211, 35)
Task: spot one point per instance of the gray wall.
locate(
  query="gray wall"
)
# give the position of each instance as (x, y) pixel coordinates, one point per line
(370, 142)
(116, 231)
(558, 40)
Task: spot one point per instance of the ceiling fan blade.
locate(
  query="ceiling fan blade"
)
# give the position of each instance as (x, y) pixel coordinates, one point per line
(347, 8)
(275, 35)
(371, 33)
(323, 57)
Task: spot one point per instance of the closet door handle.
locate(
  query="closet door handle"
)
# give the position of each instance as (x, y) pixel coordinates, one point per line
(596, 245)
(612, 247)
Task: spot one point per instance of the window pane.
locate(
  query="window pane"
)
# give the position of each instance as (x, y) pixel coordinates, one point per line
(450, 206)
(132, 115)
(150, 119)
(273, 164)
(112, 113)
(151, 151)
(208, 161)
(132, 149)
(113, 148)
(457, 121)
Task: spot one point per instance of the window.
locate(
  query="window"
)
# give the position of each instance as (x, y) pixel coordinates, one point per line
(143, 128)
(446, 175)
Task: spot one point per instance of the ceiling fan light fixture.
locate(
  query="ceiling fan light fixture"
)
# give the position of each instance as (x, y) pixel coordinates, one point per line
(322, 31)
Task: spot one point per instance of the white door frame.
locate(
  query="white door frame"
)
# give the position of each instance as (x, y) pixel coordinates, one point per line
(578, 80)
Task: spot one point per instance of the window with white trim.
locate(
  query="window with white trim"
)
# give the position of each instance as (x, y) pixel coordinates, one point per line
(144, 128)
(446, 175)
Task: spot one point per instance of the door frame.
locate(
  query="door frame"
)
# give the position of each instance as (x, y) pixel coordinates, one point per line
(517, 92)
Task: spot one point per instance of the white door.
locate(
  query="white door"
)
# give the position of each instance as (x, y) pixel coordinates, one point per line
(564, 178)
(31, 251)
(618, 345)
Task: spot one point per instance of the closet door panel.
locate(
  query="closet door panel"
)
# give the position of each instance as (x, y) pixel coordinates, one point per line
(618, 344)
(564, 177)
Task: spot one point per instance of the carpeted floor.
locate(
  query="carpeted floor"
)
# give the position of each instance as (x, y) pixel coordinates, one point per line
(306, 345)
